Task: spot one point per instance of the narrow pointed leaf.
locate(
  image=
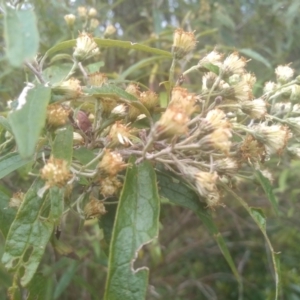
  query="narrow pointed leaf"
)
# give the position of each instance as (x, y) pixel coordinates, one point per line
(11, 162)
(136, 224)
(28, 236)
(180, 194)
(21, 35)
(259, 218)
(63, 144)
(266, 185)
(28, 121)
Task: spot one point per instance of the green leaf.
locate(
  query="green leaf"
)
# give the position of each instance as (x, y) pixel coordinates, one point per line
(109, 43)
(63, 144)
(56, 196)
(65, 279)
(28, 121)
(109, 90)
(11, 162)
(5, 124)
(117, 93)
(7, 214)
(266, 185)
(136, 224)
(84, 156)
(210, 67)
(180, 194)
(37, 288)
(256, 56)
(57, 73)
(28, 236)
(21, 35)
(140, 64)
(260, 220)
(106, 222)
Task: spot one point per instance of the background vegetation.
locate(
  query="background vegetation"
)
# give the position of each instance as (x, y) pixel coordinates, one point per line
(185, 261)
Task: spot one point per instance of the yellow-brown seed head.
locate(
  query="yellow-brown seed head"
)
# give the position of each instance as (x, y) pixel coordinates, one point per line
(56, 172)
(112, 163)
(70, 88)
(120, 134)
(149, 99)
(94, 208)
(97, 79)
(57, 115)
(110, 186)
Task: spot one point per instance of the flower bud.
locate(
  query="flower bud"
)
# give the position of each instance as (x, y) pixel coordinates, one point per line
(70, 20)
(133, 89)
(92, 12)
(110, 30)
(183, 100)
(83, 122)
(94, 23)
(82, 12)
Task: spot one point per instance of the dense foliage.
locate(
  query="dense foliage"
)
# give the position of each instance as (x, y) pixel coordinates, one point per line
(133, 143)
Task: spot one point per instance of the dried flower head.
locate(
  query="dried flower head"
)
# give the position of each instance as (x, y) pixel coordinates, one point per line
(57, 115)
(294, 125)
(16, 199)
(120, 110)
(56, 172)
(70, 88)
(94, 208)
(295, 94)
(215, 118)
(274, 137)
(251, 150)
(226, 166)
(208, 81)
(212, 57)
(109, 186)
(220, 139)
(112, 163)
(149, 99)
(256, 108)
(133, 89)
(181, 99)
(281, 108)
(240, 92)
(97, 79)
(120, 134)
(234, 64)
(206, 187)
(183, 43)
(270, 87)
(284, 73)
(70, 20)
(172, 122)
(85, 47)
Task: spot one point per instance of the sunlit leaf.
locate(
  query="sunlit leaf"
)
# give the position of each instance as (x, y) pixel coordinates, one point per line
(21, 35)
(136, 224)
(28, 121)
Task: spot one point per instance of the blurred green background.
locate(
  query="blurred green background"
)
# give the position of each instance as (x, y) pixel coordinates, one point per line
(185, 262)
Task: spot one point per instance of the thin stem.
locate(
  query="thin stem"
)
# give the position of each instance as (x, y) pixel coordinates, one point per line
(35, 72)
(74, 67)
